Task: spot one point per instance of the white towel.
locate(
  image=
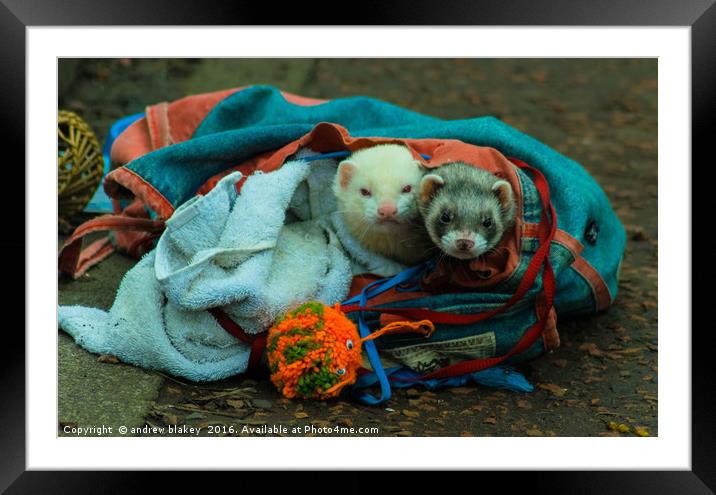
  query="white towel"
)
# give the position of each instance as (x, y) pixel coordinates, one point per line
(254, 254)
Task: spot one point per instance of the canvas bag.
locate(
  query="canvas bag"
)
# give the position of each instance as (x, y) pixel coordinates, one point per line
(180, 149)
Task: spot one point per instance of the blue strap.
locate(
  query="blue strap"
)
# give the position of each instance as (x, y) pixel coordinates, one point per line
(114, 132)
(100, 202)
(371, 290)
(384, 284)
(340, 154)
(504, 377)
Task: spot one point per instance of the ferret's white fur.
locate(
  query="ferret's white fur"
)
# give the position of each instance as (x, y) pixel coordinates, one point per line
(384, 170)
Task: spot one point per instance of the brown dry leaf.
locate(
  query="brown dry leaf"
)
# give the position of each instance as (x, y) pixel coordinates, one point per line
(300, 415)
(636, 233)
(591, 349)
(524, 404)
(410, 414)
(631, 350)
(648, 304)
(560, 363)
(462, 390)
(556, 390)
(467, 434)
(236, 403)
(491, 420)
(616, 327)
(107, 358)
(169, 418)
(534, 432)
(404, 433)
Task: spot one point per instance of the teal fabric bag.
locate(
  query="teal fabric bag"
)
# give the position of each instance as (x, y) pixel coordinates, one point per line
(585, 249)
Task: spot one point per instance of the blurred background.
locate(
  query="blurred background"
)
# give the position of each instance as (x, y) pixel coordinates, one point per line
(600, 112)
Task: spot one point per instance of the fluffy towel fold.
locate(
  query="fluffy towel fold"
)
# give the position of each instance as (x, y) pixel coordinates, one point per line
(255, 254)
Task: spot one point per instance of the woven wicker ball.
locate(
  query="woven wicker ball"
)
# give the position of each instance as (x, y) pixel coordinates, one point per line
(80, 164)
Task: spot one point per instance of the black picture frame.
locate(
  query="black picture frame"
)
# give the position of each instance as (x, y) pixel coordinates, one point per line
(16, 15)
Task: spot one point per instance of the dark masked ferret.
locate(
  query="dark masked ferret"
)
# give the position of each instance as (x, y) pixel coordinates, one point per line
(466, 209)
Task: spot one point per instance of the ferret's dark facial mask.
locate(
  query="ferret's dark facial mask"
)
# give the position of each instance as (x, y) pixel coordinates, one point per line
(464, 219)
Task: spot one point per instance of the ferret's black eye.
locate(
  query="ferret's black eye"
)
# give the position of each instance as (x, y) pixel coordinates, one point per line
(365, 192)
(446, 217)
(407, 189)
(487, 223)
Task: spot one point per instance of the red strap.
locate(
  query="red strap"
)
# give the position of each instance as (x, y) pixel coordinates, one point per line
(257, 342)
(529, 337)
(71, 260)
(546, 232)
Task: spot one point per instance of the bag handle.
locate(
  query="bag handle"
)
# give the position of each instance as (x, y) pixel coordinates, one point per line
(74, 262)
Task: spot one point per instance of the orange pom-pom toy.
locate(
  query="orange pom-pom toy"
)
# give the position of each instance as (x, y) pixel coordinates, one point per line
(315, 350)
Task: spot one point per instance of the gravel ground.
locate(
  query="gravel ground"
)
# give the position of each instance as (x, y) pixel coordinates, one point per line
(601, 112)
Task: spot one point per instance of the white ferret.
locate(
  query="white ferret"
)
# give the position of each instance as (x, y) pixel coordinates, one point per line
(376, 190)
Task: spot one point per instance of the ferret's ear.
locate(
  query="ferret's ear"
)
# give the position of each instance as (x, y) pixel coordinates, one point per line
(429, 186)
(346, 170)
(503, 191)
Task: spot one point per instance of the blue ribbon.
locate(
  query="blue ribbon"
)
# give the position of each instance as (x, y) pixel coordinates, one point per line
(340, 154)
(371, 290)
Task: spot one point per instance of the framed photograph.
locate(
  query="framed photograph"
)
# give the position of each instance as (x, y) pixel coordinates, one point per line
(586, 120)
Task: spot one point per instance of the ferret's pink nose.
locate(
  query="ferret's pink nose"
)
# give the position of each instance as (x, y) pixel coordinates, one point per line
(464, 244)
(387, 209)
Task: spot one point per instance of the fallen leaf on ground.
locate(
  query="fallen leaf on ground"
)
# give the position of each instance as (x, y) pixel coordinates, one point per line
(462, 390)
(236, 403)
(107, 358)
(556, 390)
(591, 349)
(641, 431)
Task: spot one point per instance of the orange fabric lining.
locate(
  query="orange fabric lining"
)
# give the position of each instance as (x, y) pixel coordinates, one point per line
(124, 177)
